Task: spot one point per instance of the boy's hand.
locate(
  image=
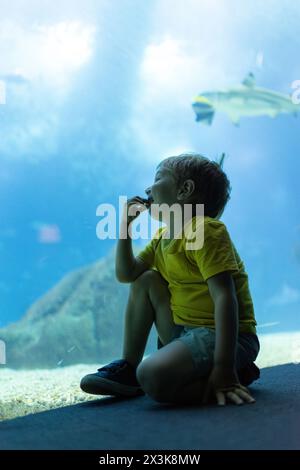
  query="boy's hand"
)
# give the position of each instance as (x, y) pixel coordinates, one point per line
(133, 208)
(223, 384)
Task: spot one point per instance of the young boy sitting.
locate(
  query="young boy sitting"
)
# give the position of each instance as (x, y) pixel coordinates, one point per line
(198, 299)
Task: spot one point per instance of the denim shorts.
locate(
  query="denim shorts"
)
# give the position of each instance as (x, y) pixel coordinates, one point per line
(201, 343)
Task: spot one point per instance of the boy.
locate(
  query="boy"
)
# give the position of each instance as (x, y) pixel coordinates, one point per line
(199, 299)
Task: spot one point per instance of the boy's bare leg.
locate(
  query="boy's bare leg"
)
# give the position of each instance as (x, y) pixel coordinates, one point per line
(190, 393)
(148, 302)
(169, 375)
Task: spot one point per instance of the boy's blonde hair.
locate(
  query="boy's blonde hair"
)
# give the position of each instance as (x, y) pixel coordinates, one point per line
(212, 187)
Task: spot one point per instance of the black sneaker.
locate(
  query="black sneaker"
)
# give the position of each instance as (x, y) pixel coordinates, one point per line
(249, 374)
(117, 378)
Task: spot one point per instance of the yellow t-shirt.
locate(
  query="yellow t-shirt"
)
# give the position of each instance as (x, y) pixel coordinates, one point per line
(187, 270)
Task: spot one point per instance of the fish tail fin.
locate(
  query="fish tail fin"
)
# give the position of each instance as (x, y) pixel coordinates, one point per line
(206, 118)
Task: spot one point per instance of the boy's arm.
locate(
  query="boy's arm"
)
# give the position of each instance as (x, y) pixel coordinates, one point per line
(127, 266)
(223, 380)
(222, 290)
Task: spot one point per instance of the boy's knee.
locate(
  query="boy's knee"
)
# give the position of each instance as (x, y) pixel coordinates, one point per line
(146, 279)
(153, 379)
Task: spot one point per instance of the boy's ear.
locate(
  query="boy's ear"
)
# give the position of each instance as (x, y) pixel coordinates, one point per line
(186, 190)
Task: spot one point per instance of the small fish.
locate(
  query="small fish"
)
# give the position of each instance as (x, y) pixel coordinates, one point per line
(266, 325)
(244, 100)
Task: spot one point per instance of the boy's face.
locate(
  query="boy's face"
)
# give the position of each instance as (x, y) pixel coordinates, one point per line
(164, 188)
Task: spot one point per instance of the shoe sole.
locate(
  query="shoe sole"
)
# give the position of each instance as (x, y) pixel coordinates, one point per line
(103, 386)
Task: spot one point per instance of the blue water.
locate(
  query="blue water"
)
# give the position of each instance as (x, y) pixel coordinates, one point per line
(75, 135)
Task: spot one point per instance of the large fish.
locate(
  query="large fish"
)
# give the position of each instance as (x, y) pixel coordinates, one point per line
(244, 100)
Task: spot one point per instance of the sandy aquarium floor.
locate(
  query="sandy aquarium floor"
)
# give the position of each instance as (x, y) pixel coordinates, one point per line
(24, 392)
